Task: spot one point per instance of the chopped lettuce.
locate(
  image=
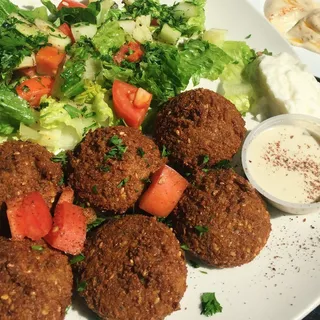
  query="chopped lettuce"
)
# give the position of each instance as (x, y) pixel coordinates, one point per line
(109, 38)
(112, 72)
(235, 86)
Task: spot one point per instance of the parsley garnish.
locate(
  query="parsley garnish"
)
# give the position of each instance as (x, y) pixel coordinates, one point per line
(223, 164)
(82, 286)
(205, 159)
(95, 223)
(123, 183)
(95, 189)
(185, 247)
(267, 52)
(165, 153)
(72, 111)
(105, 168)
(204, 272)
(67, 309)
(248, 36)
(210, 304)
(194, 264)
(37, 248)
(140, 152)
(60, 157)
(80, 257)
(201, 230)
(118, 148)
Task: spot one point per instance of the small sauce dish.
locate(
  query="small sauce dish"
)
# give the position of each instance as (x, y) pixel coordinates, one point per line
(281, 159)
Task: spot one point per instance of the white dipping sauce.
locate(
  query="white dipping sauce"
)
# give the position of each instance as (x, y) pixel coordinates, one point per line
(285, 162)
(288, 86)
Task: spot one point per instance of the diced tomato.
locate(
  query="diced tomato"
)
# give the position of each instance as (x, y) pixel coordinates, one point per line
(33, 89)
(48, 60)
(67, 195)
(127, 105)
(70, 4)
(142, 99)
(67, 31)
(164, 192)
(29, 72)
(29, 217)
(68, 233)
(131, 52)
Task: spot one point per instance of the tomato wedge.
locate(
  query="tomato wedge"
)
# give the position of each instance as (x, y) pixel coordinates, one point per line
(164, 192)
(67, 31)
(131, 52)
(29, 72)
(70, 4)
(48, 60)
(33, 89)
(29, 217)
(129, 106)
(68, 233)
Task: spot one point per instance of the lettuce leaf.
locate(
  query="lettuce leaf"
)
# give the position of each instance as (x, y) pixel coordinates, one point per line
(109, 38)
(6, 8)
(235, 85)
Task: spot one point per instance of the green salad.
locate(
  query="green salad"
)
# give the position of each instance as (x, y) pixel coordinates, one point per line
(69, 69)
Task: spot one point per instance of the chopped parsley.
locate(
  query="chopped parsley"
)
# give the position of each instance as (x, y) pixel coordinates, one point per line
(118, 148)
(37, 248)
(95, 189)
(90, 115)
(95, 223)
(146, 181)
(205, 159)
(82, 286)
(210, 304)
(223, 164)
(267, 52)
(72, 111)
(165, 153)
(194, 264)
(248, 36)
(201, 230)
(185, 247)
(140, 152)
(204, 272)
(60, 157)
(80, 257)
(123, 183)
(167, 221)
(67, 309)
(105, 168)
(86, 129)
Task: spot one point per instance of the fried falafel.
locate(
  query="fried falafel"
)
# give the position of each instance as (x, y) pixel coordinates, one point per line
(134, 269)
(110, 167)
(222, 219)
(199, 123)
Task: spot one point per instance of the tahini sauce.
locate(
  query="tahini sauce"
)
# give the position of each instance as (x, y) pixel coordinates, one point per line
(285, 162)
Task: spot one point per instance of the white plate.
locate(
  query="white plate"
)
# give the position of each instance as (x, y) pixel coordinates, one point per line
(283, 282)
(309, 58)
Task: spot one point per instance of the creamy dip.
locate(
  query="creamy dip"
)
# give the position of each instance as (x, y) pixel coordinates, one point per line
(288, 86)
(285, 162)
(297, 20)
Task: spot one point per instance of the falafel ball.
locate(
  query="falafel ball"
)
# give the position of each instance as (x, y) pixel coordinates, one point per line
(134, 269)
(199, 123)
(26, 167)
(35, 281)
(110, 167)
(222, 219)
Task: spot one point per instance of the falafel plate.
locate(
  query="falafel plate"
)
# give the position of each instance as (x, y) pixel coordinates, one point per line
(121, 192)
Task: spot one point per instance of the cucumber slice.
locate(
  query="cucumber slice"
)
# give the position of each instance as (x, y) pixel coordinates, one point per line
(215, 36)
(143, 21)
(55, 37)
(142, 34)
(186, 10)
(169, 35)
(81, 29)
(128, 26)
(24, 26)
(27, 62)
